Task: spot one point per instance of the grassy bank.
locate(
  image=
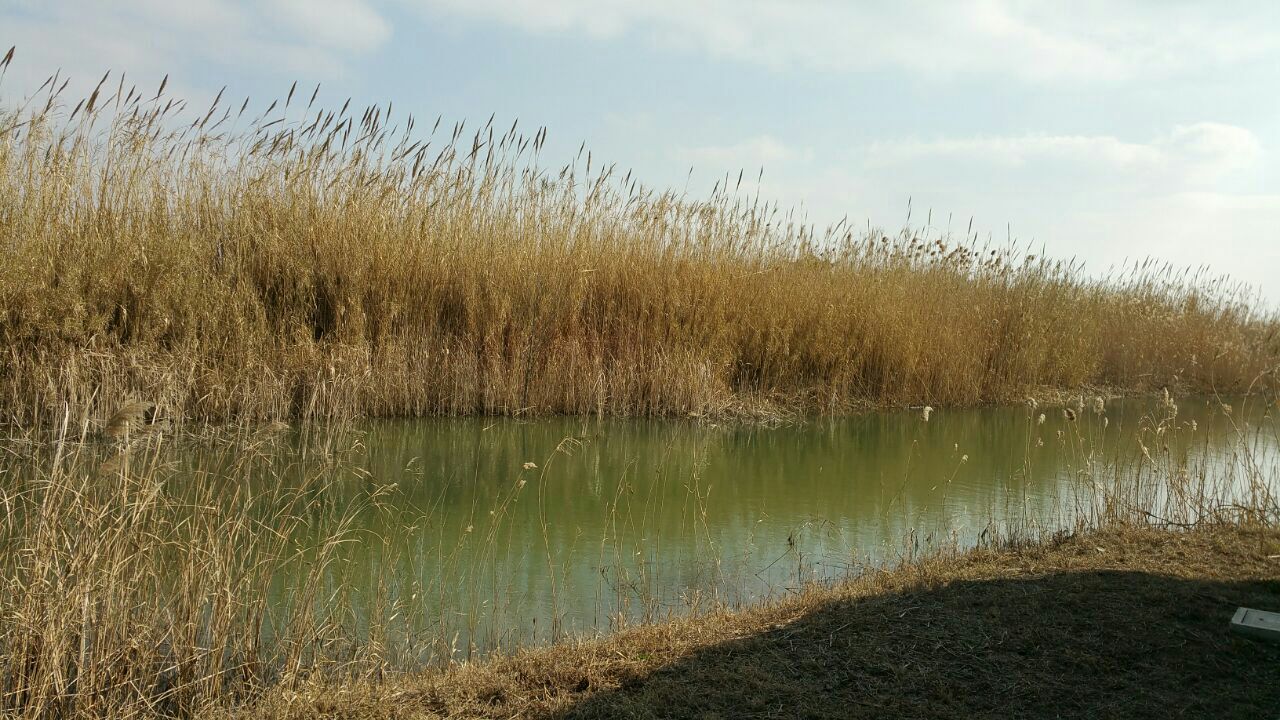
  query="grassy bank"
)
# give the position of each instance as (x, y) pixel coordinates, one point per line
(256, 261)
(1129, 621)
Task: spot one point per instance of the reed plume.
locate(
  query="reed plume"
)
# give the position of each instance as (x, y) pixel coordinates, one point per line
(130, 418)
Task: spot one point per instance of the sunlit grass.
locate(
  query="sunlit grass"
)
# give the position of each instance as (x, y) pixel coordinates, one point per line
(299, 262)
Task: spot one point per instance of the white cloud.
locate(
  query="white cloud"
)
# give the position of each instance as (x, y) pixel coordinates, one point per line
(752, 153)
(1198, 157)
(1231, 234)
(1187, 196)
(1212, 150)
(345, 24)
(1035, 40)
(1187, 155)
(285, 39)
(1016, 151)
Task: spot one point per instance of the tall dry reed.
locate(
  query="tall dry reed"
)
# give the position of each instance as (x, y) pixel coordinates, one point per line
(132, 586)
(299, 262)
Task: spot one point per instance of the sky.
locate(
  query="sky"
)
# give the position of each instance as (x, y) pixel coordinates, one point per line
(1104, 131)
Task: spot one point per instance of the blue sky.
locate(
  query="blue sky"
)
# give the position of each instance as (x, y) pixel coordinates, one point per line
(1107, 131)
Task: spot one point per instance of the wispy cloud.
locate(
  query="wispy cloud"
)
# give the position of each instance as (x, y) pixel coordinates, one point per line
(752, 153)
(1035, 41)
(345, 24)
(1190, 155)
(149, 38)
(1199, 157)
(1106, 198)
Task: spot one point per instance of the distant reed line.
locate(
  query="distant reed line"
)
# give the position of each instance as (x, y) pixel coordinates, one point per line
(302, 262)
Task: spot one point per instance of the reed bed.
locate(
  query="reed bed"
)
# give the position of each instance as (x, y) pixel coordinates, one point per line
(123, 596)
(298, 262)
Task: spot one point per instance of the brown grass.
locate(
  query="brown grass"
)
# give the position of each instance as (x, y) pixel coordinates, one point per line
(299, 262)
(1123, 622)
(127, 592)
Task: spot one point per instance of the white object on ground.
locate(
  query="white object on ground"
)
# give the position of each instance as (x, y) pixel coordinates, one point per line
(1257, 623)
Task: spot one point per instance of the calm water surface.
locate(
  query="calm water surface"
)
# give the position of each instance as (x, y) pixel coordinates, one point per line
(476, 533)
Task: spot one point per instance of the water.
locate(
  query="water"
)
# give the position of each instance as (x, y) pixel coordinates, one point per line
(464, 535)
(496, 532)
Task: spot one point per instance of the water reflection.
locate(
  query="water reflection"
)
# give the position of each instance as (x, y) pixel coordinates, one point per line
(492, 531)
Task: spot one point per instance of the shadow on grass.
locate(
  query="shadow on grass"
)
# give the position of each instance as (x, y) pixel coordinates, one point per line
(1068, 644)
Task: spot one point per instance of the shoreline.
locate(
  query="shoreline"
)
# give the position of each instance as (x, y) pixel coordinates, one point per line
(1126, 620)
(747, 412)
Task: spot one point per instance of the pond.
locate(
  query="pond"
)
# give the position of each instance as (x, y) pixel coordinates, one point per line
(487, 532)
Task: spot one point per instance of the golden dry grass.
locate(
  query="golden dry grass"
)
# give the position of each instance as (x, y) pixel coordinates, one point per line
(300, 262)
(125, 593)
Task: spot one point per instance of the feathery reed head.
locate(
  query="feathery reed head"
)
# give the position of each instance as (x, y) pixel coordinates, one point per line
(130, 418)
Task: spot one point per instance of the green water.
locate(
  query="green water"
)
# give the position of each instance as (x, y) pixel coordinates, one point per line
(460, 541)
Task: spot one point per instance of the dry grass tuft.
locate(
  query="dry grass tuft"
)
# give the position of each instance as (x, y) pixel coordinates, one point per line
(128, 592)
